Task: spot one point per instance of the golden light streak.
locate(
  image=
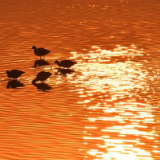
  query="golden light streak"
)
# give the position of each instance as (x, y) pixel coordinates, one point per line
(117, 75)
(113, 87)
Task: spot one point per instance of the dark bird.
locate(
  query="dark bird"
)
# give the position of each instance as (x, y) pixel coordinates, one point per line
(42, 76)
(40, 51)
(64, 71)
(14, 84)
(65, 63)
(42, 86)
(40, 62)
(14, 73)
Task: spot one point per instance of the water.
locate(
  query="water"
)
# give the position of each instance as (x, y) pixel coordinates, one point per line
(108, 109)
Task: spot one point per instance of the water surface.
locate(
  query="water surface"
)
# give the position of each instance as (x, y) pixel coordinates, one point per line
(108, 108)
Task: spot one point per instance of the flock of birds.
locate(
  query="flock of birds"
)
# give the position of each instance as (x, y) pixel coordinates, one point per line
(41, 76)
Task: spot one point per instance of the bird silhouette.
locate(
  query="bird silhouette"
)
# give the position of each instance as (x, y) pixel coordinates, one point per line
(42, 86)
(14, 73)
(64, 71)
(14, 84)
(40, 62)
(40, 51)
(42, 76)
(65, 63)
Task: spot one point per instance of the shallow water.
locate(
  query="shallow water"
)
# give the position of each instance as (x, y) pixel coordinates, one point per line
(108, 108)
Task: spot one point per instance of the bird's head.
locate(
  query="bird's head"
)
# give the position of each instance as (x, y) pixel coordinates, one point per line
(56, 61)
(33, 47)
(34, 81)
(7, 72)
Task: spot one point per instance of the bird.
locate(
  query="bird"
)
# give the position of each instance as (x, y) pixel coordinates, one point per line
(65, 63)
(40, 51)
(14, 73)
(42, 76)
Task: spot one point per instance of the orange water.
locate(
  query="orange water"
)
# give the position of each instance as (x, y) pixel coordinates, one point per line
(108, 109)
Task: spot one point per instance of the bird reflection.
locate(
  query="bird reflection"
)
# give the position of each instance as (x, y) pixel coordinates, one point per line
(40, 62)
(14, 84)
(42, 86)
(64, 71)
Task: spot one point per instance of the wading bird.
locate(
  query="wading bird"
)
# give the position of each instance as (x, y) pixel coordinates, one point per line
(65, 63)
(14, 73)
(40, 51)
(42, 76)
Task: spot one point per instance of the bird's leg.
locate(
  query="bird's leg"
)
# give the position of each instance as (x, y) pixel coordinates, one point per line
(57, 73)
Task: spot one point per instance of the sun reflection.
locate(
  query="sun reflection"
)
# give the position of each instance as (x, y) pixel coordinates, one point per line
(113, 86)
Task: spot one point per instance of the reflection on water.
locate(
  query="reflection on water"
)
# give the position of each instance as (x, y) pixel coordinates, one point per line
(64, 71)
(42, 86)
(40, 62)
(107, 109)
(14, 84)
(114, 89)
(115, 93)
